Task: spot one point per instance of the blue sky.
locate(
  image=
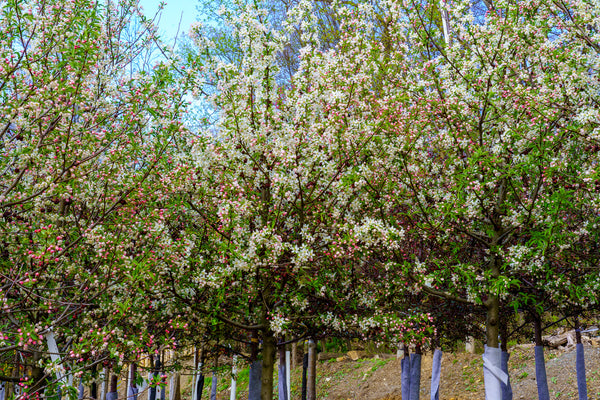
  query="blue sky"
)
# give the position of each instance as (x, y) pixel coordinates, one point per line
(173, 11)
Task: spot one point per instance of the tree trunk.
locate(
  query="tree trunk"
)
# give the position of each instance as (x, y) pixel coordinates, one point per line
(268, 362)
(200, 377)
(436, 371)
(195, 374)
(254, 346)
(311, 378)
(415, 374)
(492, 357)
(215, 377)
(132, 390)
(213, 386)
(93, 386)
(294, 354)
(405, 374)
(304, 371)
(297, 354)
(288, 372)
(177, 387)
(506, 387)
(104, 383)
(199, 386)
(537, 330)
(580, 363)
(113, 394)
(233, 393)
(492, 326)
(254, 383)
(540, 363)
(282, 374)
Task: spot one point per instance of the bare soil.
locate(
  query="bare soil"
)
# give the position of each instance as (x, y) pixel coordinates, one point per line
(462, 376)
(378, 377)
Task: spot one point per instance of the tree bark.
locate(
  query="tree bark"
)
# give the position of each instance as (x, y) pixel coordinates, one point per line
(580, 363)
(233, 393)
(540, 363)
(177, 387)
(415, 374)
(304, 371)
(268, 362)
(492, 356)
(132, 389)
(200, 379)
(113, 394)
(405, 374)
(493, 305)
(254, 346)
(93, 385)
(113, 383)
(492, 327)
(577, 331)
(537, 330)
(436, 371)
(297, 354)
(503, 336)
(254, 383)
(282, 374)
(311, 378)
(213, 386)
(288, 372)
(294, 354)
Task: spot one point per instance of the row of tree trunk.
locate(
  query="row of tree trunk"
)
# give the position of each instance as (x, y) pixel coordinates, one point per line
(495, 371)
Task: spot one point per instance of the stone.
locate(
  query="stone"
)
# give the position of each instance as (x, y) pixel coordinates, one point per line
(356, 354)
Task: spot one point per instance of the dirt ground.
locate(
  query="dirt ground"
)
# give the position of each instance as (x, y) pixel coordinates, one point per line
(378, 377)
(462, 376)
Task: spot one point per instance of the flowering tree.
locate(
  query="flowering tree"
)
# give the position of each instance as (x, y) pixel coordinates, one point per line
(395, 161)
(86, 149)
(278, 186)
(478, 130)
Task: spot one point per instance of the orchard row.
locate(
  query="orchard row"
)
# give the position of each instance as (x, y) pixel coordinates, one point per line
(397, 171)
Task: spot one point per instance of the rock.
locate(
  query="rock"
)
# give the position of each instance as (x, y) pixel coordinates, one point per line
(356, 354)
(595, 342)
(470, 345)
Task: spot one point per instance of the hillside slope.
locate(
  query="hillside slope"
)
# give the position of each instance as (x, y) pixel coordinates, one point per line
(378, 378)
